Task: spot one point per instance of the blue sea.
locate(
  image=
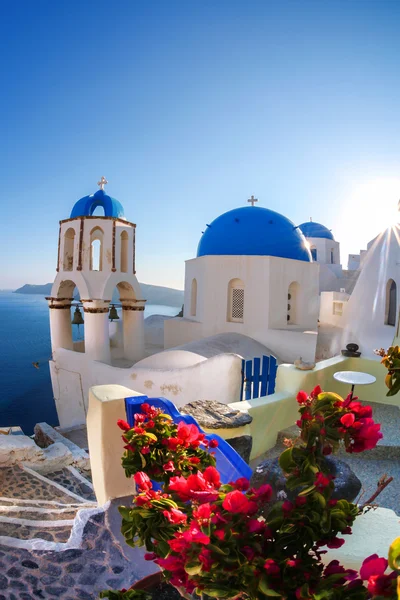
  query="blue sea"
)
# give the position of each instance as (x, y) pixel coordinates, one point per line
(26, 396)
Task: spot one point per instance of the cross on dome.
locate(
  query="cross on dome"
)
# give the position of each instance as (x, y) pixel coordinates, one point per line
(103, 181)
(252, 200)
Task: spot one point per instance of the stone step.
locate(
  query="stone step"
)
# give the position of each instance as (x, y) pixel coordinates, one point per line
(17, 482)
(49, 531)
(71, 479)
(34, 513)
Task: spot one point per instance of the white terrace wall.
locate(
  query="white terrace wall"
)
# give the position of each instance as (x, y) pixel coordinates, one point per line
(73, 373)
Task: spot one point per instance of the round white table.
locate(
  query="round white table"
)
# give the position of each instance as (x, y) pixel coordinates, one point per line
(354, 378)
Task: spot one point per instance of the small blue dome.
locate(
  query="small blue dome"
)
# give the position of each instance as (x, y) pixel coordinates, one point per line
(86, 206)
(253, 231)
(316, 230)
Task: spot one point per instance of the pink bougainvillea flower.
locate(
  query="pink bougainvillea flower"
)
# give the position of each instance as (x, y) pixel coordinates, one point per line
(142, 481)
(348, 419)
(366, 434)
(205, 557)
(123, 425)
(145, 450)
(219, 534)
(302, 397)
(255, 526)
(175, 516)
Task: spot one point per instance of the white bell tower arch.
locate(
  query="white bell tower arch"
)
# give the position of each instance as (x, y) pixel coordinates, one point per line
(96, 254)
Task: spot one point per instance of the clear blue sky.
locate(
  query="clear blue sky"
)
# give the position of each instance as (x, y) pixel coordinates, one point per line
(188, 107)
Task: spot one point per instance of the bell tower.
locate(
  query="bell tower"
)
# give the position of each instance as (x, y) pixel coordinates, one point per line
(96, 254)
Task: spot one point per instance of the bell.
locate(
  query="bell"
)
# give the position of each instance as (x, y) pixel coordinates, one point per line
(113, 316)
(77, 320)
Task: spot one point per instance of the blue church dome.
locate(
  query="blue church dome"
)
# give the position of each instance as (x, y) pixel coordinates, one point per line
(253, 231)
(315, 230)
(86, 206)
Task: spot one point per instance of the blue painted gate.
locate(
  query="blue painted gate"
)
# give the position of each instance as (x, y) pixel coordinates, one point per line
(258, 378)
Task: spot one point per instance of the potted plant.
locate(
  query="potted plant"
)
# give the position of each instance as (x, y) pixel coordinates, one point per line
(230, 541)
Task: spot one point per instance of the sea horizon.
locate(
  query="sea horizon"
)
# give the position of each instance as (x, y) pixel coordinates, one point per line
(27, 396)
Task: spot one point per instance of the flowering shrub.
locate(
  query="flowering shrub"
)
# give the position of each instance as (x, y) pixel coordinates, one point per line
(209, 537)
(162, 448)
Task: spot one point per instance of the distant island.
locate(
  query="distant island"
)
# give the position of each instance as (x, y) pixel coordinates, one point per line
(154, 294)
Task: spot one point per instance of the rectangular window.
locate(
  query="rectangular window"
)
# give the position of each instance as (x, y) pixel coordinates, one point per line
(237, 304)
(338, 308)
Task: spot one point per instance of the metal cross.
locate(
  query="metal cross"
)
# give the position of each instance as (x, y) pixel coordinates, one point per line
(103, 181)
(252, 200)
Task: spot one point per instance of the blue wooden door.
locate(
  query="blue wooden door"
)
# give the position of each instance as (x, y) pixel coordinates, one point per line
(258, 377)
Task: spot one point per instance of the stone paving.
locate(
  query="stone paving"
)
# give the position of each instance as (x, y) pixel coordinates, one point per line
(16, 483)
(65, 478)
(74, 574)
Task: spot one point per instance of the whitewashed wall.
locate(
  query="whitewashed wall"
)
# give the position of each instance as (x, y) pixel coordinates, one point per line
(73, 373)
(266, 280)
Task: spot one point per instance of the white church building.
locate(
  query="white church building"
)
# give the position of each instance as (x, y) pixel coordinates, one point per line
(254, 275)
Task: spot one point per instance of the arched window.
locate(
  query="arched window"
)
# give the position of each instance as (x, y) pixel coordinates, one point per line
(314, 253)
(69, 243)
(124, 252)
(96, 249)
(391, 303)
(292, 301)
(236, 301)
(193, 299)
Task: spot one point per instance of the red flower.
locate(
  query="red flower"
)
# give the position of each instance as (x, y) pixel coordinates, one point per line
(241, 484)
(248, 552)
(169, 466)
(255, 526)
(263, 493)
(202, 512)
(197, 535)
(145, 450)
(212, 476)
(142, 481)
(365, 434)
(150, 556)
(171, 443)
(195, 487)
(194, 460)
(205, 557)
(213, 443)
(316, 391)
(321, 481)
(301, 500)
(123, 425)
(236, 502)
(335, 543)
(271, 567)
(188, 434)
(287, 508)
(373, 565)
(348, 419)
(139, 430)
(219, 534)
(302, 397)
(145, 408)
(360, 410)
(175, 516)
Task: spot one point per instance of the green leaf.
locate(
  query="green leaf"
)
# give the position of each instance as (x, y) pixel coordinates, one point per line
(218, 592)
(307, 491)
(193, 568)
(286, 460)
(266, 590)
